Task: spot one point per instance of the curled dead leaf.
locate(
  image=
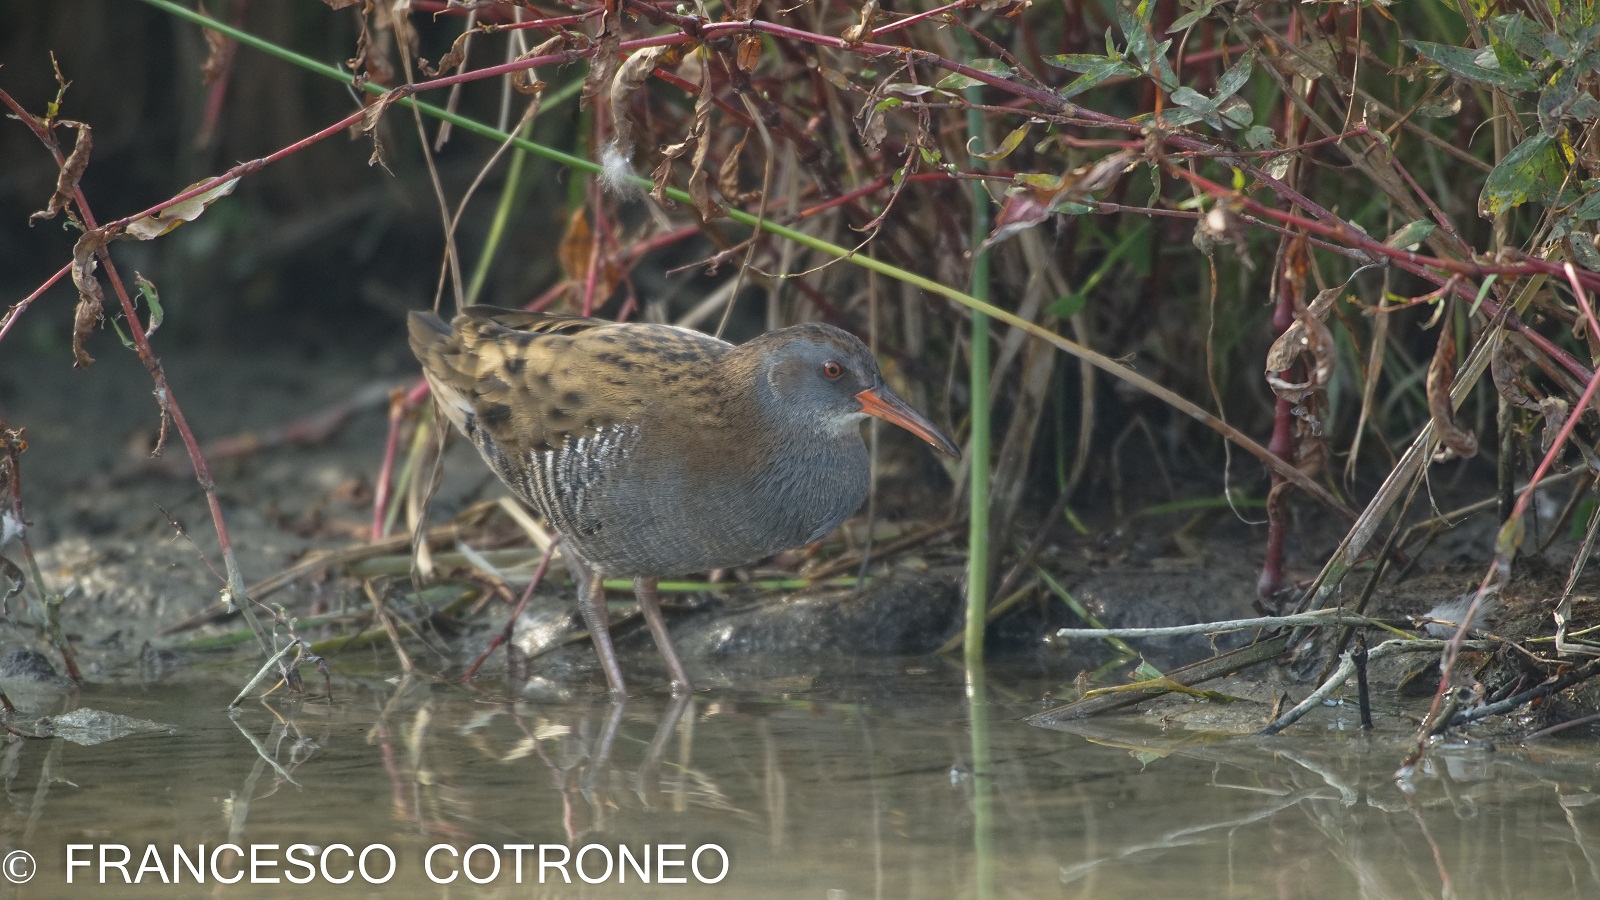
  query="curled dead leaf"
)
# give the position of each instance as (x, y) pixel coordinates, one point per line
(71, 172)
(603, 64)
(157, 224)
(524, 80)
(691, 141)
(219, 50)
(728, 175)
(575, 251)
(453, 59)
(576, 246)
(1307, 334)
(749, 55)
(91, 297)
(1441, 375)
(1037, 197)
(861, 32)
(630, 77)
(1513, 387)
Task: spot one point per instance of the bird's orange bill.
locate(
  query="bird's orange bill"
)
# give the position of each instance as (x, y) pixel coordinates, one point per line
(881, 402)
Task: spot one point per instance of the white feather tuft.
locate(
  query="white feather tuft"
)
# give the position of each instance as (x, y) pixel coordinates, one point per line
(616, 170)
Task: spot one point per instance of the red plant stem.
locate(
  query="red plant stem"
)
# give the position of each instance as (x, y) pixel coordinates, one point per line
(399, 403)
(1411, 262)
(217, 92)
(504, 636)
(695, 29)
(391, 444)
(1500, 565)
(912, 20)
(164, 395)
(21, 306)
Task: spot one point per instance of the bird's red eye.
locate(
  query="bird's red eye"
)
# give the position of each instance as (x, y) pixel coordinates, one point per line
(832, 369)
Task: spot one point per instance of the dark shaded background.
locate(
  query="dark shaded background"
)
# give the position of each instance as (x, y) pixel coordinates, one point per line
(320, 252)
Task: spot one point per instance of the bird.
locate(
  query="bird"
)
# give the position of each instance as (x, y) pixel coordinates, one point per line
(659, 451)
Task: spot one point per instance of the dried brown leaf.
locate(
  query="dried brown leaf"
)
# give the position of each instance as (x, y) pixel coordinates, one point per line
(91, 297)
(576, 246)
(71, 172)
(395, 16)
(861, 32)
(1307, 335)
(749, 55)
(728, 175)
(630, 77)
(1506, 368)
(220, 49)
(525, 81)
(451, 60)
(691, 141)
(700, 186)
(1035, 198)
(1441, 374)
(603, 64)
(157, 224)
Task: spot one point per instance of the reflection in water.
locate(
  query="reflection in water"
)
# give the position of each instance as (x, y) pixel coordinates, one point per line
(809, 793)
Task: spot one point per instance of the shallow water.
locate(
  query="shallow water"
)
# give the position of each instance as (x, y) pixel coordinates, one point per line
(860, 790)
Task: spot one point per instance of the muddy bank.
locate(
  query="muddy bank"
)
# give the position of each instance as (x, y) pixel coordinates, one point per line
(297, 443)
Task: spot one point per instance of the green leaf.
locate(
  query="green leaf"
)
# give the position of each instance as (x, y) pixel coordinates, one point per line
(1588, 205)
(1583, 252)
(1585, 109)
(1192, 16)
(1236, 76)
(1146, 672)
(1109, 69)
(1235, 113)
(1559, 94)
(1012, 141)
(1532, 171)
(1259, 137)
(1477, 66)
(956, 81)
(1081, 62)
(1410, 237)
(1442, 105)
(1520, 35)
(1069, 304)
(1193, 99)
(1155, 65)
(152, 299)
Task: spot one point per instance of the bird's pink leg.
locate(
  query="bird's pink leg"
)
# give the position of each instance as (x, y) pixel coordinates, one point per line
(650, 604)
(592, 604)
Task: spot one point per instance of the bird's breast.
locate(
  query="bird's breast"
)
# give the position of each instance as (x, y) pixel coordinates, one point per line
(634, 507)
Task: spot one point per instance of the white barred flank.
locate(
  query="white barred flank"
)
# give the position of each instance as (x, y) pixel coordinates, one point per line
(559, 483)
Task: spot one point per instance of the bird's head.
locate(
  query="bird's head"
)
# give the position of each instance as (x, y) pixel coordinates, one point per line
(820, 374)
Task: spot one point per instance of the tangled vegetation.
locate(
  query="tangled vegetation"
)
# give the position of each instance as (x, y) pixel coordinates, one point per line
(1307, 230)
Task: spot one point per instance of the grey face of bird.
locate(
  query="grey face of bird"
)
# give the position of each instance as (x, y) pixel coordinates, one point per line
(818, 382)
(834, 382)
